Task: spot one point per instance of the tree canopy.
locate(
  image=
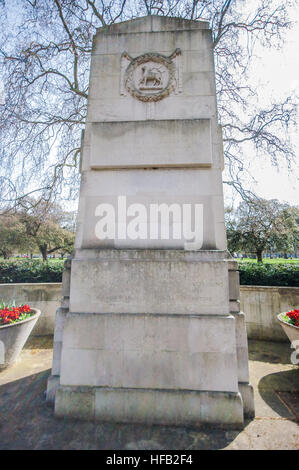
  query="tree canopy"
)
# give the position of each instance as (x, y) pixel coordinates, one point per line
(43, 228)
(259, 224)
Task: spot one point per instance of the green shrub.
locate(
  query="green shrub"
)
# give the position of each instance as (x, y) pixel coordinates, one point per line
(24, 271)
(269, 274)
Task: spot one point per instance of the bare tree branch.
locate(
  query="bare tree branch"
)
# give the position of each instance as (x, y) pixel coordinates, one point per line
(45, 60)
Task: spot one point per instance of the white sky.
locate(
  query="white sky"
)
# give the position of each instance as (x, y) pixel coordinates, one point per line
(277, 74)
(277, 71)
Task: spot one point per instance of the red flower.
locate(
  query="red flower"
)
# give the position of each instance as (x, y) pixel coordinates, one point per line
(11, 314)
(294, 317)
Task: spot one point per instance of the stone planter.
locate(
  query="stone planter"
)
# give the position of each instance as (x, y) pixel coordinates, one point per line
(13, 337)
(291, 331)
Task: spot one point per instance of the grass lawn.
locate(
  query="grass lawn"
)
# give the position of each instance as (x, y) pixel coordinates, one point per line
(270, 261)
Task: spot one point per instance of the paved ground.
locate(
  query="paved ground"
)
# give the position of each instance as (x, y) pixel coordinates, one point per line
(26, 422)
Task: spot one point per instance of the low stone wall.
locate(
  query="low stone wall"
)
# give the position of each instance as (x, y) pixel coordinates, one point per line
(259, 303)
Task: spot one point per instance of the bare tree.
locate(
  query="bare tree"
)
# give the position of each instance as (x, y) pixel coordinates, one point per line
(260, 224)
(45, 48)
(36, 225)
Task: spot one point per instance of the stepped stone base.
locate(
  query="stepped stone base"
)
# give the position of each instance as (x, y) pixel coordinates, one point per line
(163, 407)
(155, 365)
(246, 392)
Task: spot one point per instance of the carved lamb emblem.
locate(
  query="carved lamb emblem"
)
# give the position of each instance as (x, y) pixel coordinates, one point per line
(151, 77)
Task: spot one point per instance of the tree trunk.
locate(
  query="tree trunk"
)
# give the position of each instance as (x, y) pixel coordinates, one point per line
(259, 255)
(44, 252)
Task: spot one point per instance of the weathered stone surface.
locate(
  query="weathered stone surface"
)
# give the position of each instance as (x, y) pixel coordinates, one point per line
(234, 286)
(161, 186)
(154, 23)
(59, 324)
(149, 337)
(157, 143)
(52, 386)
(150, 351)
(151, 406)
(61, 313)
(142, 282)
(76, 402)
(242, 347)
(246, 391)
(57, 347)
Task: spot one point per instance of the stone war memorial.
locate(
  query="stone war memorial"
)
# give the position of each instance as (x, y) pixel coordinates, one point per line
(150, 330)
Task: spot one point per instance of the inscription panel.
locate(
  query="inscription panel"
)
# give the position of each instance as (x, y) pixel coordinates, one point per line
(143, 144)
(149, 286)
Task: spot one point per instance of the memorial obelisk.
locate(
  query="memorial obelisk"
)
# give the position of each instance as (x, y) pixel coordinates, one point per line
(150, 329)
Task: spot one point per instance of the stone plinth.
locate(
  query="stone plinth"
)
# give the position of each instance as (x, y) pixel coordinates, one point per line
(150, 329)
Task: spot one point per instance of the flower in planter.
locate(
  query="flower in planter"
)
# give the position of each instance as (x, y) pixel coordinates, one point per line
(10, 313)
(291, 317)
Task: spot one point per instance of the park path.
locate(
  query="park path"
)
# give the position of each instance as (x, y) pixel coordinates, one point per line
(27, 422)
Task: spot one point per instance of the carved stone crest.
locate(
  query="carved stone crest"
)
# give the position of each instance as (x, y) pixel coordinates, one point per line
(152, 76)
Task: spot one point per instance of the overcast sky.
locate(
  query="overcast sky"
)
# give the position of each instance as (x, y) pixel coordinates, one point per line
(278, 71)
(277, 74)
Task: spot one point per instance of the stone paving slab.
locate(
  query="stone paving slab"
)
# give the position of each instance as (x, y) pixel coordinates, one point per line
(26, 422)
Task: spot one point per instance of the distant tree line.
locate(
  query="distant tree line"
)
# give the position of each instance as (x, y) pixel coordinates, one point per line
(260, 225)
(256, 226)
(33, 228)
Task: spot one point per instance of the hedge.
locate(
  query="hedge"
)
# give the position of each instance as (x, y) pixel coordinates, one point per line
(22, 271)
(257, 274)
